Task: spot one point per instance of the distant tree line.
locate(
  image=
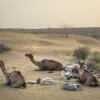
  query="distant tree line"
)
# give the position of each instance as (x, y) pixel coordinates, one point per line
(88, 31)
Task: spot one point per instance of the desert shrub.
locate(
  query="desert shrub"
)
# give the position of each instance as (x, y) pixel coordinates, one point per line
(94, 58)
(81, 53)
(96, 36)
(4, 48)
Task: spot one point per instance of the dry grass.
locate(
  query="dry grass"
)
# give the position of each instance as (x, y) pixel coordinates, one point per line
(42, 46)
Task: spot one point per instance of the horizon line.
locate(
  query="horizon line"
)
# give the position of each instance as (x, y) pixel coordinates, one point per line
(50, 27)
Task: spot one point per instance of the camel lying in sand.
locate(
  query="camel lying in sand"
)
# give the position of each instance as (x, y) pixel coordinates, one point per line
(46, 64)
(87, 78)
(14, 79)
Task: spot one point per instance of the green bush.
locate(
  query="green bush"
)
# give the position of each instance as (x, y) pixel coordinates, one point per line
(4, 48)
(81, 53)
(94, 58)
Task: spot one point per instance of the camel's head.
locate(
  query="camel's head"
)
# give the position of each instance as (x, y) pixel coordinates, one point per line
(29, 56)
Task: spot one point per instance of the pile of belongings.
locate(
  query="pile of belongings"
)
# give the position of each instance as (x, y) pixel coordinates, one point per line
(71, 71)
(73, 86)
(68, 75)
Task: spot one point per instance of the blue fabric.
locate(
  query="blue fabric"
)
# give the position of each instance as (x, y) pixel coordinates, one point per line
(71, 86)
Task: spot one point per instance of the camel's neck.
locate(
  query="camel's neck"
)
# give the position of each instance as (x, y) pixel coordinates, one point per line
(4, 71)
(35, 62)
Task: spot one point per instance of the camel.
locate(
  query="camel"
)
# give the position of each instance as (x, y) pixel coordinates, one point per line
(46, 64)
(14, 79)
(87, 78)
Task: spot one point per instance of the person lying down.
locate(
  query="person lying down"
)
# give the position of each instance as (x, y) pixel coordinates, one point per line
(47, 81)
(43, 81)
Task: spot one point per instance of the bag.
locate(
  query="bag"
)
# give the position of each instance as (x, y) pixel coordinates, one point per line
(71, 86)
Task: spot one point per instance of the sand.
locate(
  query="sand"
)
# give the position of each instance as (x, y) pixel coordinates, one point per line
(43, 46)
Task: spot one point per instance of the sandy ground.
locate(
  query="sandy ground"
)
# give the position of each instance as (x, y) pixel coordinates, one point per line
(48, 46)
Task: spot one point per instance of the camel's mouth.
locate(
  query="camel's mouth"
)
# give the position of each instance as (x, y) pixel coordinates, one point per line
(25, 54)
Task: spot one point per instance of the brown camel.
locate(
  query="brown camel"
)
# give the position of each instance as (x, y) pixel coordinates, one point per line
(46, 64)
(14, 79)
(87, 78)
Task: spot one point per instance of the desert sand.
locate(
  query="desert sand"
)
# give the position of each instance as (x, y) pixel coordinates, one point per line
(56, 47)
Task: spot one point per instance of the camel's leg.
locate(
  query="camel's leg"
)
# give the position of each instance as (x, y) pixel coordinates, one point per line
(92, 82)
(89, 81)
(17, 84)
(7, 82)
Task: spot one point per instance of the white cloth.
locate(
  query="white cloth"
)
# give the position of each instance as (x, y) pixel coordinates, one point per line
(69, 68)
(48, 81)
(31, 81)
(68, 74)
(85, 67)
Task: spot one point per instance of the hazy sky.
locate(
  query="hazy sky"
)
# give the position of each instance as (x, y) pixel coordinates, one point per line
(49, 13)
